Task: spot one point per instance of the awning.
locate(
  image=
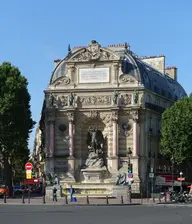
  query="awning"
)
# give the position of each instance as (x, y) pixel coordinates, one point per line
(31, 181)
(166, 180)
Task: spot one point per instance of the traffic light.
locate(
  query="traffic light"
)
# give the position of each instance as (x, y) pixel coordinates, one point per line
(130, 168)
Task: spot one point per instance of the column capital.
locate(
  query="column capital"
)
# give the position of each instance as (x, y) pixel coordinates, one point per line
(50, 120)
(114, 116)
(135, 115)
(70, 115)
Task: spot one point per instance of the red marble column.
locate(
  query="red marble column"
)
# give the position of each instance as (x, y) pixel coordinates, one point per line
(71, 133)
(51, 137)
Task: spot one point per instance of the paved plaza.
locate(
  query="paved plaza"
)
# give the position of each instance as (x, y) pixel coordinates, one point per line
(50, 214)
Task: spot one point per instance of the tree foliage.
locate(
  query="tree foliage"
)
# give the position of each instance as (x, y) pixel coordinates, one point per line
(176, 140)
(15, 116)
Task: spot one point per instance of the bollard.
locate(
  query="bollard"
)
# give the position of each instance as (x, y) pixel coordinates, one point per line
(165, 198)
(29, 196)
(44, 202)
(66, 201)
(107, 200)
(141, 197)
(129, 194)
(4, 197)
(23, 199)
(122, 202)
(87, 199)
(160, 199)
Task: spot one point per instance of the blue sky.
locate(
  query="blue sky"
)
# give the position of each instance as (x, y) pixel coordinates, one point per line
(34, 33)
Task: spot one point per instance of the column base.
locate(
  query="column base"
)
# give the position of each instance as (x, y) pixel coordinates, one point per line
(71, 168)
(113, 164)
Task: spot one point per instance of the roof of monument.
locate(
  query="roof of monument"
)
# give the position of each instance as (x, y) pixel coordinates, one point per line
(146, 75)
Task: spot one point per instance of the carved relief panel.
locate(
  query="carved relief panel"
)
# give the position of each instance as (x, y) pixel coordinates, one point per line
(94, 100)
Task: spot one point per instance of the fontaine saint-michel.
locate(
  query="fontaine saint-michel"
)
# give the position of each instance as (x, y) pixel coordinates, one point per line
(100, 102)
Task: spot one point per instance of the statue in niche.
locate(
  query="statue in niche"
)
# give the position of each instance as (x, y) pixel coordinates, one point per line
(115, 97)
(71, 99)
(121, 101)
(136, 97)
(95, 141)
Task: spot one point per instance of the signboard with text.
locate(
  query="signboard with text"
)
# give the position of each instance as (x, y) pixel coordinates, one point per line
(28, 174)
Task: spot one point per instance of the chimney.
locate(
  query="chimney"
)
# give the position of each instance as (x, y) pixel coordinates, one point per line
(157, 62)
(56, 62)
(171, 72)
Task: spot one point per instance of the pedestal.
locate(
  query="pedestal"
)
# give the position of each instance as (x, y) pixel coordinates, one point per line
(49, 191)
(94, 175)
(119, 191)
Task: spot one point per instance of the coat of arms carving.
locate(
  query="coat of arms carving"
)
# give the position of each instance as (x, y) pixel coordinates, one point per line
(94, 49)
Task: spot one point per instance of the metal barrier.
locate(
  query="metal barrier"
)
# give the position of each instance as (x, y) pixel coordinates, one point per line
(87, 200)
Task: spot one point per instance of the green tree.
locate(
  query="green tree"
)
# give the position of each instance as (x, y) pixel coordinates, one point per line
(176, 140)
(15, 118)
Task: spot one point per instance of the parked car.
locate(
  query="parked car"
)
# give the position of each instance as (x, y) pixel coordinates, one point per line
(17, 189)
(4, 190)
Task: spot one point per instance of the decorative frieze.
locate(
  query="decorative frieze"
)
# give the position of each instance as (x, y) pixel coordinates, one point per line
(94, 114)
(57, 101)
(95, 100)
(125, 99)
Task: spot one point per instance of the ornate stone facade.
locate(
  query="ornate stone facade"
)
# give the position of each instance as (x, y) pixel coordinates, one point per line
(97, 87)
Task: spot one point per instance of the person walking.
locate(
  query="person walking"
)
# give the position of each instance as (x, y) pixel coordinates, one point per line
(54, 194)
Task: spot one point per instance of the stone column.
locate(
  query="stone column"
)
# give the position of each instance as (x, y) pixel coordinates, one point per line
(113, 160)
(115, 133)
(71, 159)
(135, 138)
(71, 134)
(51, 137)
(134, 115)
(49, 141)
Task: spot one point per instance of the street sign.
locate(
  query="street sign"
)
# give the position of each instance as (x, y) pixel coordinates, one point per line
(151, 175)
(130, 175)
(28, 166)
(28, 174)
(181, 178)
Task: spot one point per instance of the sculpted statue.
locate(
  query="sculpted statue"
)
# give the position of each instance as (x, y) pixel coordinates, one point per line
(51, 100)
(115, 97)
(71, 99)
(136, 97)
(121, 179)
(95, 141)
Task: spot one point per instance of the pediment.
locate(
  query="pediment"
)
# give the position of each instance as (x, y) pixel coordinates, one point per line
(93, 52)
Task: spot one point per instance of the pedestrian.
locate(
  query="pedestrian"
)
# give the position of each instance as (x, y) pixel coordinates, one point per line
(54, 194)
(72, 191)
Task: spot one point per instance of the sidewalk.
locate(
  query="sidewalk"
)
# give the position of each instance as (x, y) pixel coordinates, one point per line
(80, 201)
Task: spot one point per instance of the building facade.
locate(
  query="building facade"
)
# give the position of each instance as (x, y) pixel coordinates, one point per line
(113, 90)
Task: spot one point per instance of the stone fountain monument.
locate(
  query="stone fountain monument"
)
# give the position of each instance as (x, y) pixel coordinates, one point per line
(95, 170)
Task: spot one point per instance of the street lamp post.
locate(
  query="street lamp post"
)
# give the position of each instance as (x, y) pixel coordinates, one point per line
(172, 172)
(129, 152)
(181, 176)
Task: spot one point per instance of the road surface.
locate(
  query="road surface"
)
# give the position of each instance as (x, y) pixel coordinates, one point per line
(50, 214)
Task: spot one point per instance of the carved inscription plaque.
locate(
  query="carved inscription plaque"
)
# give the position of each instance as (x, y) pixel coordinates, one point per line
(93, 75)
